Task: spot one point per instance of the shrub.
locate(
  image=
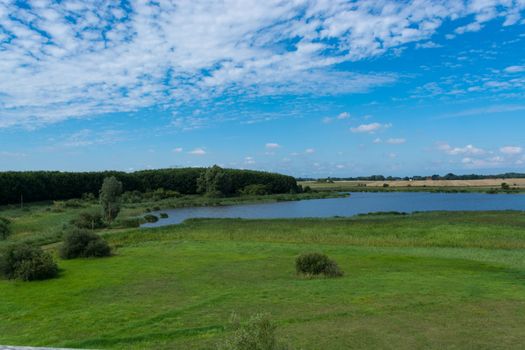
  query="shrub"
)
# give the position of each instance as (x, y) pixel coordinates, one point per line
(255, 190)
(257, 334)
(27, 263)
(163, 215)
(313, 264)
(89, 220)
(80, 243)
(5, 228)
(127, 223)
(151, 218)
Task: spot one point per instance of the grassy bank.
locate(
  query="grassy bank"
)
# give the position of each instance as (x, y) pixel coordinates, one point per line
(43, 223)
(429, 280)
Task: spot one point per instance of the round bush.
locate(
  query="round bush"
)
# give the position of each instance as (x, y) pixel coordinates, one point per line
(5, 229)
(317, 264)
(89, 220)
(27, 263)
(151, 218)
(163, 215)
(83, 244)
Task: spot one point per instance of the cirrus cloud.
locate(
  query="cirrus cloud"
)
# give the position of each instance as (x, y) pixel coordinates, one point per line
(57, 58)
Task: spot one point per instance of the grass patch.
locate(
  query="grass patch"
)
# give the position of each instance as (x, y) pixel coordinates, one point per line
(428, 280)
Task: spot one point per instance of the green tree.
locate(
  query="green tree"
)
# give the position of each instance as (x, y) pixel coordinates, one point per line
(214, 182)
(110, 198)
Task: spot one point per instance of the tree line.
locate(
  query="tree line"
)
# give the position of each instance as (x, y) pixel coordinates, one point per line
(30, 186)
(449, 176)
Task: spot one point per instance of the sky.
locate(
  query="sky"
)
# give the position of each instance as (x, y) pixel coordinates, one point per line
(302, 87)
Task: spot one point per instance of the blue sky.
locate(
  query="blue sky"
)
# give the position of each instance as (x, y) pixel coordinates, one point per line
(308, 88)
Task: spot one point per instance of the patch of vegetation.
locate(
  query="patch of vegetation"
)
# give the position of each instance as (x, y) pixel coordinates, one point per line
(27, 263)
(80, 243)
(163, 215)
(151, 218)
(255, 190)
(214, 182)
(383, 213)
(5, 228)
(257, 334)
(89, 220)
(314, 264)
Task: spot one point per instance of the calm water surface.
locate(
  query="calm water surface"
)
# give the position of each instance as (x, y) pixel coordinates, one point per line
(357, 203)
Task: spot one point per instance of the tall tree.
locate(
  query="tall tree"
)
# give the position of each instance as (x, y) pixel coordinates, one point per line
(110, 198)
(214, 182)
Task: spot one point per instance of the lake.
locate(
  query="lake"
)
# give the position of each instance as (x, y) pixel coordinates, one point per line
(356, 203)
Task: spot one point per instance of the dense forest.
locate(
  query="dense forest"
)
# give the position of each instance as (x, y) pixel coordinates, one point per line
(32, 186)
(449, 176)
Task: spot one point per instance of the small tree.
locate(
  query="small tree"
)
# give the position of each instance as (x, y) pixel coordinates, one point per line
(110, 198)
(214, 182)
(505, 186)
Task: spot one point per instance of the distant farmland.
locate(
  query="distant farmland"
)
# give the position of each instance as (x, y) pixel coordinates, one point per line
(472, 185)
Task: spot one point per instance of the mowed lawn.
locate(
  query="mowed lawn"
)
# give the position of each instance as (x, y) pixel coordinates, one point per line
(432, 281)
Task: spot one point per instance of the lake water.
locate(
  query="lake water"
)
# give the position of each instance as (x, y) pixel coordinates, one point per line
(356, 203)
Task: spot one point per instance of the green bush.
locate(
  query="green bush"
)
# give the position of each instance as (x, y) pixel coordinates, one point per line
(27, 263)
(257, 334)
(151, 218)
(126, 223)
(5, 228)
(163, 215)
(255, 190)
(89, 220)
(80, 243)
(313, 264)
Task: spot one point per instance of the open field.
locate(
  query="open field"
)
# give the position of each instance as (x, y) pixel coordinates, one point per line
(426, 185)
(428, 280)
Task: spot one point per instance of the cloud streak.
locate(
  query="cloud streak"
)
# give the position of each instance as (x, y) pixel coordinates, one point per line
(73, 59)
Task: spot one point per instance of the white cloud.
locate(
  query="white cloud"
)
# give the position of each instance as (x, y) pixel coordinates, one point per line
(178, 150)
(472, 27)
(173, 53)
(467, 150)
(309, 151)
(370, 128)
(272, 145)
(344, 115)
(428, 45)
(515, 69)
(396, 141)
(198, 152)
(511, 150)
(87, 137)
(377, 140)
(249, 160)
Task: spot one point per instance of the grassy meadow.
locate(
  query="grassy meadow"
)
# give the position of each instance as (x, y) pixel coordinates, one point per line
(427, 280)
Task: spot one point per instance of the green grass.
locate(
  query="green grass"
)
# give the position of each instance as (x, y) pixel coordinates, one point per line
(432, 280)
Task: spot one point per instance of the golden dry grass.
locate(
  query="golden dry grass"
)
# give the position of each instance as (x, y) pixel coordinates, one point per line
(426, 183)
